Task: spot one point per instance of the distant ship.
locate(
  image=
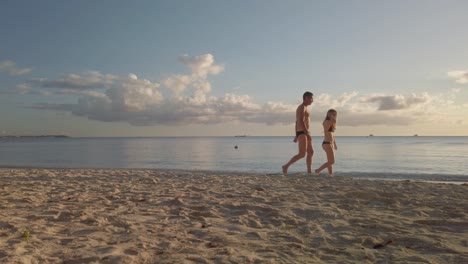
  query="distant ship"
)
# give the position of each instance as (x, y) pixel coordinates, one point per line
(415, 135)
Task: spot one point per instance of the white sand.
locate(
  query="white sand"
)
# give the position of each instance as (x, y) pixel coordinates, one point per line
(146, 216)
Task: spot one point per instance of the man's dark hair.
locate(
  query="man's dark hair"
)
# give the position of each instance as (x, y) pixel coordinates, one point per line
(307, 94)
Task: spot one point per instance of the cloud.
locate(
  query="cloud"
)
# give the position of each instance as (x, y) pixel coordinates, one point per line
(326, 100)
(388, 110)
(353, 119)
(23, 86)
(460, 76)
(187, 99)
(201, 65)
(9, 67)
(177, 83)
(111, 98)
(88, 80)
(396, 102)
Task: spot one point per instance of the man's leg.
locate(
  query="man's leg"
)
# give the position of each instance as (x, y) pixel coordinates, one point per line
(302, 145)
(310, 153)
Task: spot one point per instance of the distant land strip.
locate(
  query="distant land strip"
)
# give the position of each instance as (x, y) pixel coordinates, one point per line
(35, 136)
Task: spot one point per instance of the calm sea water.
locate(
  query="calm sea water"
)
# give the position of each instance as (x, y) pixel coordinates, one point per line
(414, 158)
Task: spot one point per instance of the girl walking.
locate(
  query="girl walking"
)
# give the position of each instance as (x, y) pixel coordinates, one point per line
(329, 143)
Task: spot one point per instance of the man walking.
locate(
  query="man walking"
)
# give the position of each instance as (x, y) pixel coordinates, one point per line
(303, 137)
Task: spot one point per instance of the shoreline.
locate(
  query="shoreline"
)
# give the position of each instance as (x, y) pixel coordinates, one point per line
(168, 216)
(458, 179)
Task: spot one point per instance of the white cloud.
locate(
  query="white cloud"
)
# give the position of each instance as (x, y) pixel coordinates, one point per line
(132, 76)
(141, 102)
(327, 100)
(201, 65)
(9, 67)
(460, 76)
(400, 110)
(177, 83)
(133, 95)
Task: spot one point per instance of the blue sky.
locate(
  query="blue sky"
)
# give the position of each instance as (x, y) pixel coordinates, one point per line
(223, 68)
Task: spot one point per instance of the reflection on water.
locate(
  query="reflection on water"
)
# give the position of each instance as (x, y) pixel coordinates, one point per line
(417, 155)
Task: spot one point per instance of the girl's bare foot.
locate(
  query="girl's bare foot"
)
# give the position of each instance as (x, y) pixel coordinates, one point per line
(317, 172)
(285, 169)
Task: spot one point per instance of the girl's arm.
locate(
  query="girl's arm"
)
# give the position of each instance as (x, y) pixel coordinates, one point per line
(325, 124)
(334, 143)
(295, 136)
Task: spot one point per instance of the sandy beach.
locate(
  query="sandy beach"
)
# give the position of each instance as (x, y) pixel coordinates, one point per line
(149, 216)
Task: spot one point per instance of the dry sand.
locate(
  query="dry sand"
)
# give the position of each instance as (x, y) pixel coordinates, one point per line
(148, 216)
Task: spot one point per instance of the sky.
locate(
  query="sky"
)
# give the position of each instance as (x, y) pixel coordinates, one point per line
(113, 68)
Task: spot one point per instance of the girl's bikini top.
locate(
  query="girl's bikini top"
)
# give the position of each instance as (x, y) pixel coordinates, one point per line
(331, 129)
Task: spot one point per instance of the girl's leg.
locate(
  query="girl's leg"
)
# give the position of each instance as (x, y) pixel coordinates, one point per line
(330, 159)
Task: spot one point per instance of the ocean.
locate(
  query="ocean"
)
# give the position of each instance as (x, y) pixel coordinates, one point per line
(412, 158)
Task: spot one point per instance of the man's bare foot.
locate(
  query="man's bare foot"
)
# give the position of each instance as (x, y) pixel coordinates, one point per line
(285, 169)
